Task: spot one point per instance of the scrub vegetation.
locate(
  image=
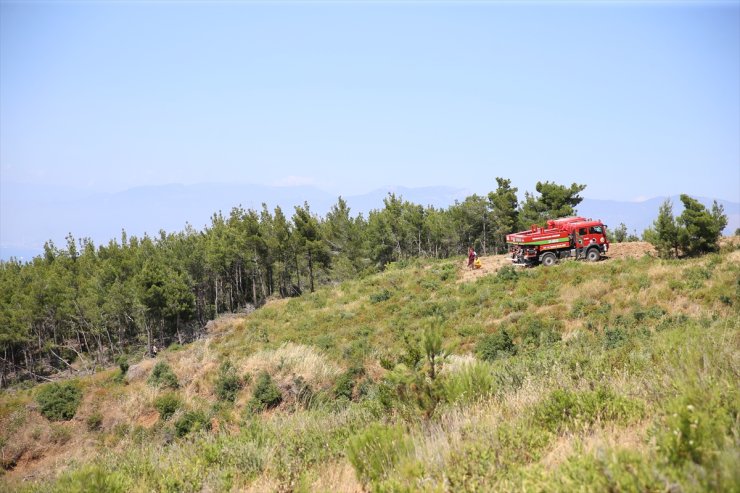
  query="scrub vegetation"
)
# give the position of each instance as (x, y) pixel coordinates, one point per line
(352, 354)
(620, 375)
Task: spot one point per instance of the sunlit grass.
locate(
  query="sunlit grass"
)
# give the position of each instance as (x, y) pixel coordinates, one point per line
(604, 362)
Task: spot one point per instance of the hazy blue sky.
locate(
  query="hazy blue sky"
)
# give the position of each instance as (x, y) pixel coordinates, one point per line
(632, 99)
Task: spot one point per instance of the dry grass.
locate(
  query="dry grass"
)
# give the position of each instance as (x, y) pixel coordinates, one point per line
(454, 363)
(292, 360)
(490, 264)
(436, 440)
(634, 249)
(336, 477)
(609, 437)
(595, 289)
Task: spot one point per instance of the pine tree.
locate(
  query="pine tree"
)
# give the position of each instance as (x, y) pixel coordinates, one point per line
(664, 233)
(504, 213)
(554, 201)
(700, 229)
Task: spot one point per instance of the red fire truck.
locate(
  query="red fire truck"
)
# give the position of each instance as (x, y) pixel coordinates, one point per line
(569, 237)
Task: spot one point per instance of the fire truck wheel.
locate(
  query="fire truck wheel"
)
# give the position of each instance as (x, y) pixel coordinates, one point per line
(548, 259)
(593, 255)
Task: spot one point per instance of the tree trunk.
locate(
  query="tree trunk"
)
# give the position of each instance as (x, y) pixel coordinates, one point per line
(484, 236)
(310, 268)
(148, 330)
(215, 289)
(298, 272)
(254, 286)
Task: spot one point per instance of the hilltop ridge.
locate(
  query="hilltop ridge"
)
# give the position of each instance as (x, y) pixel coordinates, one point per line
(617, 374)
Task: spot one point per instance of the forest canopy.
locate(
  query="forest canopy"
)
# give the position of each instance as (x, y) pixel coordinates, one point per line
(132, 293)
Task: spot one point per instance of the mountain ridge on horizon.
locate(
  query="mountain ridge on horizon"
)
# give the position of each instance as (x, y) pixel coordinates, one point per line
(30, 216)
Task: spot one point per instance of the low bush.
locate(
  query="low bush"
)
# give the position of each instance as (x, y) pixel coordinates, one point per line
(694, 431)
(123, 367)
(228, 382)
(192, 421)
(568, 410)
(375, 452)
(507, 273)
(609, 470)
(380, 296)
(60, 434)
(167, 404)
(91, 478)
(496, 345)
(469, 384)
(59, 401)
(345, 384)
(302, 392)
(163, 376)
(266, 394)
(123, 364)
(94, 421)
(538, 333)
(614, 338)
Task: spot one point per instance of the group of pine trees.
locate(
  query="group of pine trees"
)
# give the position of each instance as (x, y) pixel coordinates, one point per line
(696, 231)
(104, 301)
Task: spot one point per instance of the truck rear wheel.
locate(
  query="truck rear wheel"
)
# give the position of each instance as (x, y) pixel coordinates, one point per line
(593, 254)
(548, 259)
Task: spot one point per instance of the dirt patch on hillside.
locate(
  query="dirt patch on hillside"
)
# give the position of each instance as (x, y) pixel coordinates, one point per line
(633, 249)
(608, 438)
(492, 263)
(489, 265)
(148, 420)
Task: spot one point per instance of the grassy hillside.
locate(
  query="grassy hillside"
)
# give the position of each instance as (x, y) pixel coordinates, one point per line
(618, 375)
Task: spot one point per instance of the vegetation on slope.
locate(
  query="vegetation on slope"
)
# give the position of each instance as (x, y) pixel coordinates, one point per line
(81, 306)
(617, 375)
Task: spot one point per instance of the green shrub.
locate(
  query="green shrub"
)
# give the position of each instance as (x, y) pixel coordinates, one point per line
(302, 392)
(538, 333)
(467, 330)
(694, 430)
(94, 421)
(345, 383)
(568, 410)
(471, 467)
(469, 384)
(609, 470)
(192, 421)
(326, 341)
(375, 452)
(60, 434)
(167, 404)
(163, 376)
(614, 338)
(93, 479)
(380, 296)
(228, 382)
(59, 401)
(496, 345)
(583, 307)
(266, 394)
(122, 364)
(357, 350)
(507, 273)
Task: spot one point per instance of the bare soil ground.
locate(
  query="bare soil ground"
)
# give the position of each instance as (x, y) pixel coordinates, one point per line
(492, 263)
(634, 249)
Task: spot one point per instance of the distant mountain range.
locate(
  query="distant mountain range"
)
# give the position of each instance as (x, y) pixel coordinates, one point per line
(31, 215)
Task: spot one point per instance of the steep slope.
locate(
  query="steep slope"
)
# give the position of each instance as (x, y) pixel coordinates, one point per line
(620, 374)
